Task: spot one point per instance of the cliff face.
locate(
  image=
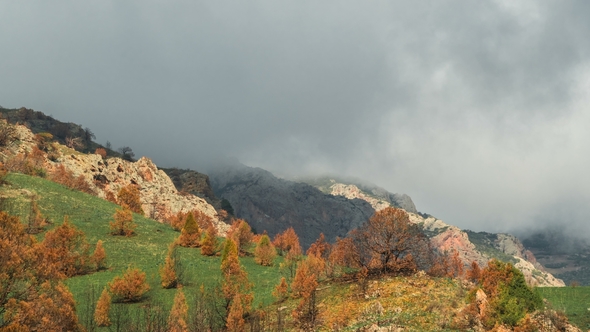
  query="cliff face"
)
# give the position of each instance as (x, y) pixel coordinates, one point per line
(481, 247)
(273, 204)
(159, 197)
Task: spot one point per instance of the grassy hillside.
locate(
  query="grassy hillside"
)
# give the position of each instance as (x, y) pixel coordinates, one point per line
(146, 250)
(418, 302)
(573, 301)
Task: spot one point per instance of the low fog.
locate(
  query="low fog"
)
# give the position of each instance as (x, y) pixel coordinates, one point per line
(476, 109)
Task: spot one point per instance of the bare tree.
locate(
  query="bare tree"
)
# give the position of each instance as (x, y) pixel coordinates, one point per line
(126, 153)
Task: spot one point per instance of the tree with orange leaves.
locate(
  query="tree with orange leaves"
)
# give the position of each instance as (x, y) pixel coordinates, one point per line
(281, 290)
(320, 248)
(343, 254)
(235, 278)
(474, 272)
(389, 242)
(265, 252)
(99, 256)
(168, 273)
(209, 244)
(177, 321)
(52, 308)
(235, 316)
(129, 198)
(241, 233)
(64, 251)
(131, 286)
(123, 223)
(304, 286)
(103, 307)
(286, 242)
(190, 236)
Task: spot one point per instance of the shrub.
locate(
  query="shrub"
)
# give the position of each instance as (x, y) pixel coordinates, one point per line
(67, 178)
(131, 286)
(168, 273)
(190, 235)
(99, 256)
(241, 233)
(128, 198)
(123, 223)
(209, 244)
(265, 252)
(101, 152)
(64, 252)
(103, 307)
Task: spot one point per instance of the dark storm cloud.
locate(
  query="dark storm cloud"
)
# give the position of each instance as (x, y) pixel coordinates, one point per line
(475, 109)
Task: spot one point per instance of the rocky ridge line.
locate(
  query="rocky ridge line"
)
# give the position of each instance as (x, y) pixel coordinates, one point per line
(159, 197)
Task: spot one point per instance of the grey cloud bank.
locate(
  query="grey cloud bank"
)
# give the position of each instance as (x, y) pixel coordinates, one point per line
(478, 110)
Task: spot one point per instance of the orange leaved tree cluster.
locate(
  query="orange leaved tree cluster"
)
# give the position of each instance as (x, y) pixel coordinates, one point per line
(67, 178)
(32, 296)
(242, 235)
(287, 245)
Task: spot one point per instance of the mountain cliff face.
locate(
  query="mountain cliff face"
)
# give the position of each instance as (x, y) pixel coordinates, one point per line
(159, 197)
(335, 208)
(273, 204)
(378, 197)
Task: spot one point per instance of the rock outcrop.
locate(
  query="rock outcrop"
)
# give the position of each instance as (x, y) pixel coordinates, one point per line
(273, 204)
(502, 246)
(159, 197)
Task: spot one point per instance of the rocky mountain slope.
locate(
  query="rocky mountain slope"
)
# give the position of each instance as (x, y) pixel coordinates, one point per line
(159, 197)
(378, 197)
(273, 204)
(325, 205)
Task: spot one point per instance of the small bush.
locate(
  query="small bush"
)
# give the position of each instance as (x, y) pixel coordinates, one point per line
(131, 286)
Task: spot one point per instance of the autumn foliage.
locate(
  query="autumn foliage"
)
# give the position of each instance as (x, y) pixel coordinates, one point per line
(304, 286)
(64, 252)
(389, 242)
(101, 152)
(31, 299)
(168, 273)
(265, 252)
(52, 308)
(190, 236)
(99, 256)
(123, 224)
(128, 198)
(177, 320)
(242, 235)
(67, 178)
(281, 290)
(209, 244)
(235, 278)
(509, 297)
(131, 286)
(286, 242)
(103, 307)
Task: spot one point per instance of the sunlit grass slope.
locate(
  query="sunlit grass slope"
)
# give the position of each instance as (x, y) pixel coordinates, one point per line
(573, 301)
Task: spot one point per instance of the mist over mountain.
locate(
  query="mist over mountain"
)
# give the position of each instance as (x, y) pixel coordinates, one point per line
(478, 111)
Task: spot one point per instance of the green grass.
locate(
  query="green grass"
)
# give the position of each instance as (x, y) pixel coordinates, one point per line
(146, 250)
(573, 301)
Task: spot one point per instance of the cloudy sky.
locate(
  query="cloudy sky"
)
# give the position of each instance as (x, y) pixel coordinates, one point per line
(479, 110)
